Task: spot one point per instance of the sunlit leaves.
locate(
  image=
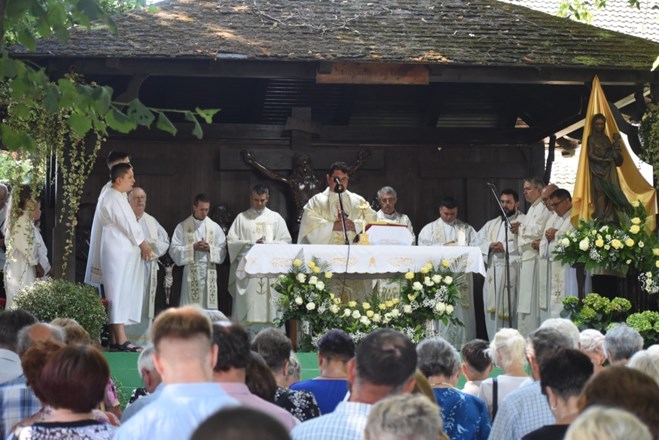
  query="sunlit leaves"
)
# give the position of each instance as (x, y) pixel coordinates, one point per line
(163, 123)
(207, 114)
(140, 113)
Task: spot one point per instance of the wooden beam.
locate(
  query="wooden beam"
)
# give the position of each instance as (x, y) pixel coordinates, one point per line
(373, 73)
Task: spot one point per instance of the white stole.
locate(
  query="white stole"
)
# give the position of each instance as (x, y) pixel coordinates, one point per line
(193, 272)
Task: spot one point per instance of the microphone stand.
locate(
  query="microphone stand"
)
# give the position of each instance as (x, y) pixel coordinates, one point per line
(493, 188)
(338, 188)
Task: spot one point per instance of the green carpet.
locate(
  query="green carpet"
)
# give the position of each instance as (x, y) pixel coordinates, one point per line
(123, 368)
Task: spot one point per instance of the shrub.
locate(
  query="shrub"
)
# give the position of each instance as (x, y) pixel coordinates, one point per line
(53, 298)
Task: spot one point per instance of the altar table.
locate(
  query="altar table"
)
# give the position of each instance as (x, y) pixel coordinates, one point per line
(270, 260)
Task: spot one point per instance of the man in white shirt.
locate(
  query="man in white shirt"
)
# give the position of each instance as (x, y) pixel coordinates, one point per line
(530, 231)
(254, 300)
(387, 197)
(198, 243)
(158, 239)
(447, 230)
(492, 242)
(559, 279)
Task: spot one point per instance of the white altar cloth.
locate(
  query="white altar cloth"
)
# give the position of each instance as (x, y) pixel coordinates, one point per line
(270, 260)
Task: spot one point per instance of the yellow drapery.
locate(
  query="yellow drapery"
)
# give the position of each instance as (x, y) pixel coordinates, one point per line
(632, 183)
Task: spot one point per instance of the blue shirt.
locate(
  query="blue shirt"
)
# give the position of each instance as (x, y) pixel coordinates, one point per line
(465, 416)
(347, 422)
(178, 411)
(140, 403)
(17, 402)
(328, 392)
(522, 411)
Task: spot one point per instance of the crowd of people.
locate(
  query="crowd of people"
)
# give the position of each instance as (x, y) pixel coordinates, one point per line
(207, 379)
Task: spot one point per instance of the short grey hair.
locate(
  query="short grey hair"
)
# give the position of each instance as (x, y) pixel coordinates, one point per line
(621, 342)
(547, 341)
(436, 356)
(647, 362)
(508, 348)
(25, 340)
(404, 417)
(592, 340)
(564, 326)
(145, 359)
(607, 424)
(386, 190)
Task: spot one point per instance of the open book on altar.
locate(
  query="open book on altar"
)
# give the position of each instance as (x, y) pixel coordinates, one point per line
(383, 233)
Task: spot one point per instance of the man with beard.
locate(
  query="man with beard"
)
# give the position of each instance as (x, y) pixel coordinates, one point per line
(492, 239)
(254, 301)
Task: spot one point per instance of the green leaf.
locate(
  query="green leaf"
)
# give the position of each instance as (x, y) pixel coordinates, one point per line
(80, 123)
(21, 110)
(69, 95)
(7, 67)
(196, 130)
(16, 9)
(118, 121)
(140, 113)
(102, 98)
(26, 38)
(16, 140)
(51, 99)
(207, 114)
(163, 123)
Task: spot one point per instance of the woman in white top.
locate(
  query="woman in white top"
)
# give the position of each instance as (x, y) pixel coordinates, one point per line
(508, 351)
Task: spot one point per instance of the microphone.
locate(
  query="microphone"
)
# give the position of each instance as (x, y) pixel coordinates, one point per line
(338, 187)
(490, 184)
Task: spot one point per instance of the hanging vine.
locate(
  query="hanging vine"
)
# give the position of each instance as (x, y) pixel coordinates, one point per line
(53, 136)
(649, 134)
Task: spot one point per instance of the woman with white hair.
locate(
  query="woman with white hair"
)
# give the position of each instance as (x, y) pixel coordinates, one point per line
(404, 417)
(465, 416)
(508, 352)
(604, 423)
(646, 361)
(591, 343)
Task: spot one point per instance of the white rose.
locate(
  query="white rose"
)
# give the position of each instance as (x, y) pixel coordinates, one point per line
(311, 306)
(448, 280)
(449, 309)
(320, 285)
(436, 279)
(376, 317)
(417, 286)
(584, 244)
(440, 307)
(334, 309)
(298, 300)
(301, 277)
(428, 282)
(356, 314)
(347, 312)
(364, 320)
(313, 280)
(565, 242)
(407, 309)
(395, 313)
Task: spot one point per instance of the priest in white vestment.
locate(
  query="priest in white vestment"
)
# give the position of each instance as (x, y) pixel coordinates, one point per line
(123, 247)
(199, 244)
(158, 239)
(530, 232)
(93, 269)
(447, 230)
(255, 303)
(321, 223)
(492, 241)
(22, 259)
(387, 197)
(556, 280)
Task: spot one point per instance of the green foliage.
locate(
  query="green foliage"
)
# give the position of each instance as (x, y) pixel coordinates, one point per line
(53, 298)
(581, 10)
(595, 311)
(647, 324)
